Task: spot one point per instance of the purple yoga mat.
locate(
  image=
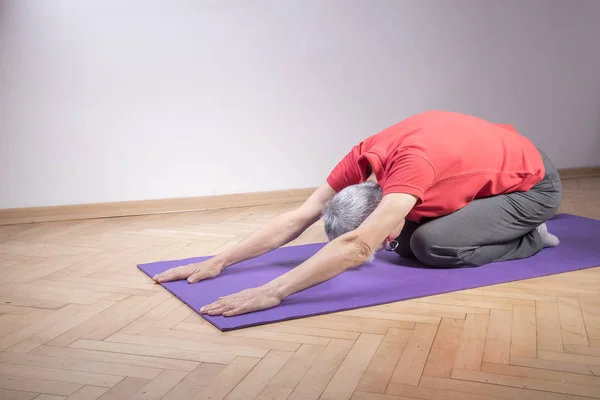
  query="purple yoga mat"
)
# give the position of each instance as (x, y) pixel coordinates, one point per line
(387, 279)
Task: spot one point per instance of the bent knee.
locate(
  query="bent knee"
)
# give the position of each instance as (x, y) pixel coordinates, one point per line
(434, 252)
(423, 247)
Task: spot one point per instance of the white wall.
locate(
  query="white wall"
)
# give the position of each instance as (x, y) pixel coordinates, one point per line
(126, 100)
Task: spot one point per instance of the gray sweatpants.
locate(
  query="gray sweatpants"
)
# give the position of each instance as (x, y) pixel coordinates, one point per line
(492, 229)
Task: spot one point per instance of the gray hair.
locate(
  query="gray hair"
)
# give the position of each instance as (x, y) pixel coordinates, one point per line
(350, 207)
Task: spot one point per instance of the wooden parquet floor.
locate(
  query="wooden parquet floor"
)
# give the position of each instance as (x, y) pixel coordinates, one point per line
(79, 321)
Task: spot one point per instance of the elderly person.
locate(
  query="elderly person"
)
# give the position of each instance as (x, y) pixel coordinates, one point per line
(449, 189)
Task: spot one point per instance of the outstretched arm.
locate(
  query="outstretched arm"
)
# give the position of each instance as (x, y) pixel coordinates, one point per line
(345, 252)
(280, 231)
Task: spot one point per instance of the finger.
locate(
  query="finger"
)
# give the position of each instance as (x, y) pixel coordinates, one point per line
(213, 306)
(218, 311)
(244, 308)
(172, 274)
(158, 277)
(197, 277)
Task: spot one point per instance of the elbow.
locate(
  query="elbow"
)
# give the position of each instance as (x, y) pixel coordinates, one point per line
(358, 251)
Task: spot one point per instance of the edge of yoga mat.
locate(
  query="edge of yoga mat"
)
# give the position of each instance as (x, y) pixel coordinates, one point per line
(558, 224)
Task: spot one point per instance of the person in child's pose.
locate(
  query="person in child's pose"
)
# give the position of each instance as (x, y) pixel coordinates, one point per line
(449, 189)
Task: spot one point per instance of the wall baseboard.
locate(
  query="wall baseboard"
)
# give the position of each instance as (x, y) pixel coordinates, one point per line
(146, 207)
(579, 173)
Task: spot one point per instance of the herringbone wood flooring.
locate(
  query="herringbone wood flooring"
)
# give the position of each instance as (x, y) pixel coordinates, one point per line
(79, 321)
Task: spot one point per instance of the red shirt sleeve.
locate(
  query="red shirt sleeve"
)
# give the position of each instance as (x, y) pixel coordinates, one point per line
(408, 172)
(347, 171)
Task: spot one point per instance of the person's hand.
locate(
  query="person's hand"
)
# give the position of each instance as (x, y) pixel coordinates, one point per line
(192, 272)
(246, 301)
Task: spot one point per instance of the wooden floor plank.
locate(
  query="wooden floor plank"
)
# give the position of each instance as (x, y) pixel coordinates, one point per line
(50, 397)
(569, 358)
(8, 309)
(281, 337)
(43, 268)
(194, 382)
(258, 378)
(434, 393)
(413, 358)
(474, 383)
(39, 327)
(323, 369)
(524, 332)
(549, 335)
(590, 307)
(190, 344)
(375, 396)
(318, 332)
(573, 329)
(342, 322)
(74, 318)
(126, 389)
(350, 371)
(284, 382)
(10, 323)
(152, 317)
(88, 393)
(425, 319)
(131, 314)
(108, 368)
(227, 379)
(180, 352)
(217, 338)
(38, 385)
(551, 365)
(6, 394)
(540, 374)
(174, 317)
(584, 350)
(519, 382)
(61, 375)
(60, 353)
(381, 368)
(498, 337)
(502, 302)
(422, 309)
(472, 343)
(90, 325)
(445, 346)
(157, 388)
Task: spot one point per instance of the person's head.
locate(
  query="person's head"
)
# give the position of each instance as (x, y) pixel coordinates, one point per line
(350, 207)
